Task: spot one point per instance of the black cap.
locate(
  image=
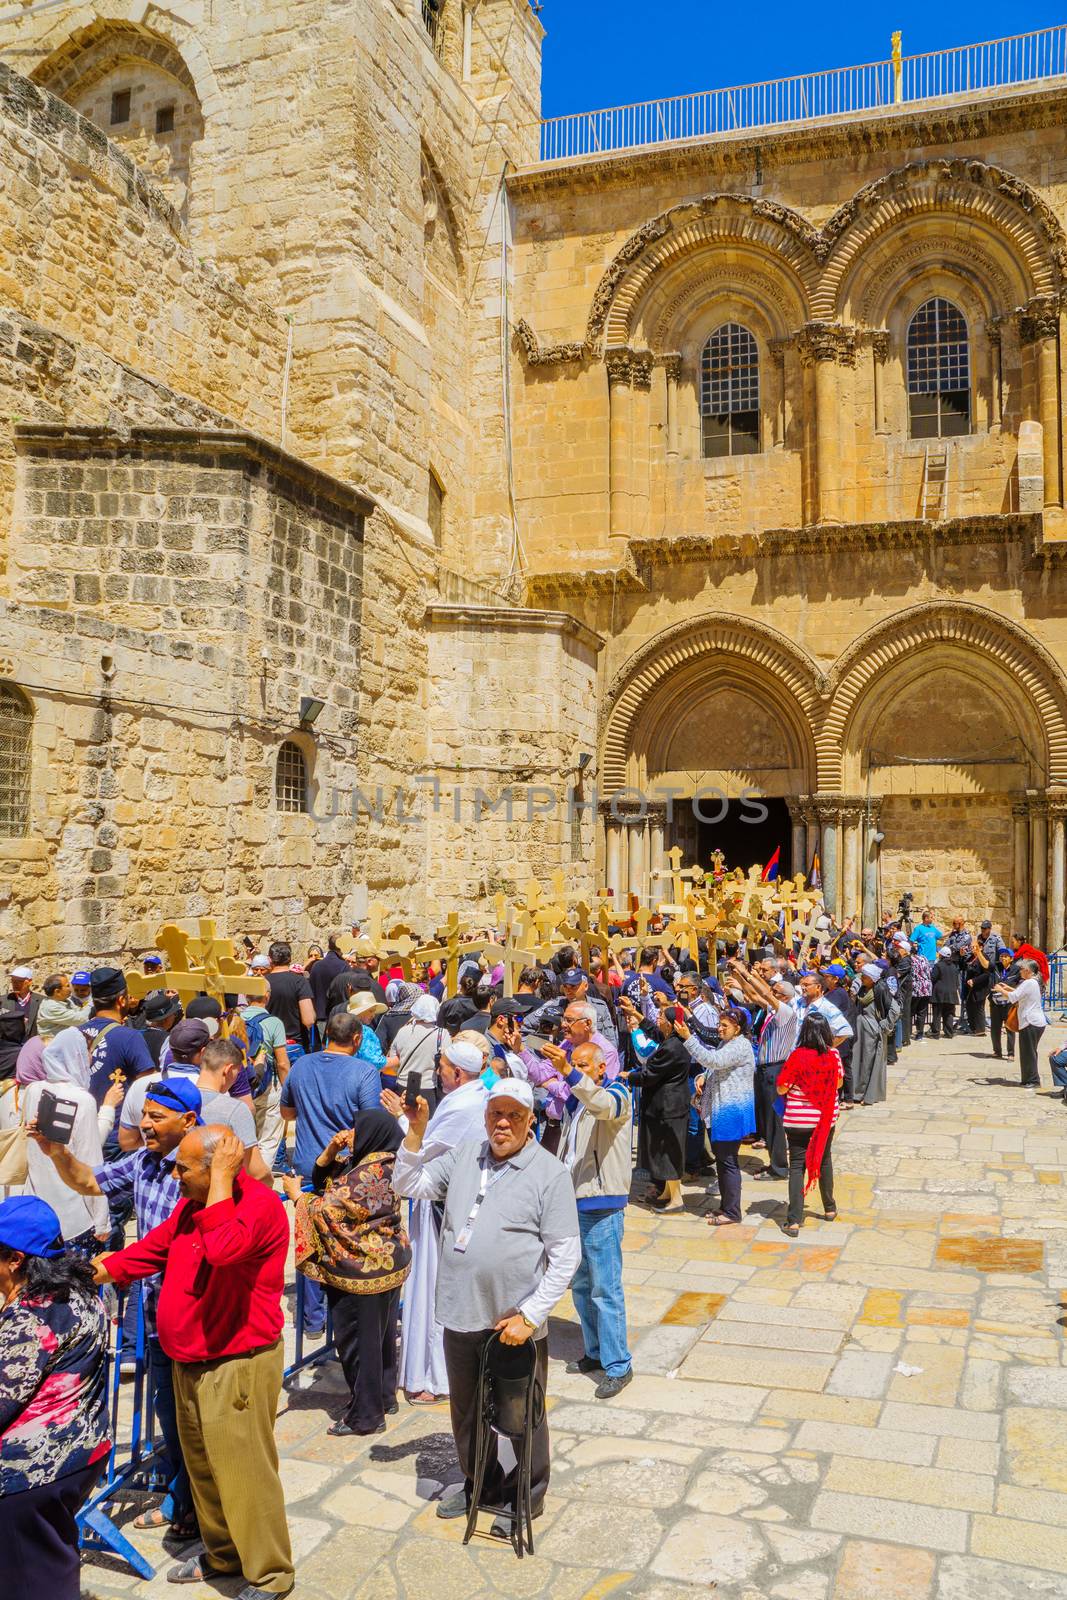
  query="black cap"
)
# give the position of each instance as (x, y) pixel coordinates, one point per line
(204, 1006)
(573, 977)
(107, 983)
(157, 1006)
(187, 1038)
(986, 923)
(505, 1008)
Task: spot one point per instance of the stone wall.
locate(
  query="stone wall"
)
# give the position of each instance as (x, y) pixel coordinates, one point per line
(511, 706)
(175, 595)
(954, 852)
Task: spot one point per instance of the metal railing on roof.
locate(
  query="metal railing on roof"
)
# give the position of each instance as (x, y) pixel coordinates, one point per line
(840, 91)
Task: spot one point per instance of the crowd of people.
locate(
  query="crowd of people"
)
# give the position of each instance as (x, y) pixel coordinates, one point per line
(458, 1162)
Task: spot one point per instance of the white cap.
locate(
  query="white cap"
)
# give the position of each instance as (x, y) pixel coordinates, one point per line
(467, 1057)
(259, 963)
(871, 970)
(22, 972)
(425, 1008)
(513, 1089)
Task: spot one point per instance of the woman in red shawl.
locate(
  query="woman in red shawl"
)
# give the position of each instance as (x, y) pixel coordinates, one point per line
(809, 1080)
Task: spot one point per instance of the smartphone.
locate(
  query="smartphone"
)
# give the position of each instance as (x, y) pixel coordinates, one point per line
(55, 1117)
(412, 1090)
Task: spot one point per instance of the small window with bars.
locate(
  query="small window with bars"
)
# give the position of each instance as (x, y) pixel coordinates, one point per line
(120, 107)
(729, 393)
(16, 725)
(291, 779)
(433, 19)
(939, 372)
(164, 119)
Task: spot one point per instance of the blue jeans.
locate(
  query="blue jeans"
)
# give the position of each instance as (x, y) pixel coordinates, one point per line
(1058, 1063)
(178, 1502)
(597, 1291)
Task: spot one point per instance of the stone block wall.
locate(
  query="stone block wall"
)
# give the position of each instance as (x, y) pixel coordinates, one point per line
(954, 852)
(511, 707)
(175, 597)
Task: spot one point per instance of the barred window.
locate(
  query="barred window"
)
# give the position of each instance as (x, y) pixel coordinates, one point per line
(433, 20)
(729, 393)
(939, 372)
(291, 779)
(16, 724)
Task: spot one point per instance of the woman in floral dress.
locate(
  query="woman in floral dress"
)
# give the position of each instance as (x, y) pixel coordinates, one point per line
(349, 1238)
(53, 1401)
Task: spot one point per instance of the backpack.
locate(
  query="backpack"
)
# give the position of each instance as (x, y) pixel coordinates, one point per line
(248, 1033)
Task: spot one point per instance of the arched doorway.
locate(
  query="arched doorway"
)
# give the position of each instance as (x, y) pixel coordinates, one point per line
(708, 738)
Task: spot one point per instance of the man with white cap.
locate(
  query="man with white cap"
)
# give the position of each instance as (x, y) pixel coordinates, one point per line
(18, 1018)
(459, 1117)
(510, 1246)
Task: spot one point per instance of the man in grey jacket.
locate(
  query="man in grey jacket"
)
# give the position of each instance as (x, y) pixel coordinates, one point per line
(509, 1249)
(595, 1149)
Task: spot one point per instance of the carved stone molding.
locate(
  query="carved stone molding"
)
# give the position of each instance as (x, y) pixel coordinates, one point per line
(671, 363)
(629, 367)
(844, 808)
(879, 341)
(1039, 318)
(642, 369)
(826, 341)
(548, 355)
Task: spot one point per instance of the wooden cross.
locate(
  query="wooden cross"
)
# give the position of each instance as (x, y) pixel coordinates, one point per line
(451, 948)
(222, 971)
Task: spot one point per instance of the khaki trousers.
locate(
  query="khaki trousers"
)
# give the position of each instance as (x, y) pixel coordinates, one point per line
(226, 1413)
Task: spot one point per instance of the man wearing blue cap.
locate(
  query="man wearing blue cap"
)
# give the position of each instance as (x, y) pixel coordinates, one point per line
(146, 1177)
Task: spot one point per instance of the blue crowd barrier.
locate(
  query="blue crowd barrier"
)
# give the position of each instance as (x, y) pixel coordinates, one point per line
(1056, 994)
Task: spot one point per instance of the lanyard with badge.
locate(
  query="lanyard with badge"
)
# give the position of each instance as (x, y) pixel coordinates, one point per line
(463, 1237)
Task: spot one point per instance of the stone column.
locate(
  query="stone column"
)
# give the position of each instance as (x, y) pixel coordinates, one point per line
(1039, 325)
(800, 837)
(870, 909)
(672, 367)
(620, 440)
(851, 888)
(1054, 929)
(657, 821)
(635, 841)
(879, 356)
(993, 334)
(1020, 881)
(613, 872)
(641, 403)
(778, 348)
(827, 346)
(1038, 869)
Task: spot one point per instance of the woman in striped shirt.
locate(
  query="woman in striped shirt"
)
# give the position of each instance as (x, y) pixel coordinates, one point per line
(809, 1081)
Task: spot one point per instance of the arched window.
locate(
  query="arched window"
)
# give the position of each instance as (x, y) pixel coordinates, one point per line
(729, 392)
(291, 779)
(16, 723)
(939, 372)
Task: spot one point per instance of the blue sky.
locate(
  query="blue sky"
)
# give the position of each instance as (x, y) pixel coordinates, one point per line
(609, 52)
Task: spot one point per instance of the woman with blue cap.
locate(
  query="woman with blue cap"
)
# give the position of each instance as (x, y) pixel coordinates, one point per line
(53, 1401)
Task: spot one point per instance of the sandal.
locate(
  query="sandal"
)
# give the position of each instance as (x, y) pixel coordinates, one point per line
(184, 1531)
(830, 1216)
(791, 1230)
(196, 1570)
(423, 1399)
(717, 1220)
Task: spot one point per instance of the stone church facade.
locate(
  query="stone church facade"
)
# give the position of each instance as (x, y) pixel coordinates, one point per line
(387, 513)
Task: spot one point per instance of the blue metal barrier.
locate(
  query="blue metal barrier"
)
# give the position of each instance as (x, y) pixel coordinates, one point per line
(1056, 994)
(327, 1351)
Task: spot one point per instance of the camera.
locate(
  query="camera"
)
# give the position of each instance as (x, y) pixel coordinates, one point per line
(904, 908)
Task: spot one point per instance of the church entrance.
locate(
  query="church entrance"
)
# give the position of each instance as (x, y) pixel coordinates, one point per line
(745, 838)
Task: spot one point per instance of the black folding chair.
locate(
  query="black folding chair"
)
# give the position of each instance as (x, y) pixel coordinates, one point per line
(511, 1404)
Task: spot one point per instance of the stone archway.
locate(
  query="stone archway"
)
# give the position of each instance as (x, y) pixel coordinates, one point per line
(718, 707)
(951, 721)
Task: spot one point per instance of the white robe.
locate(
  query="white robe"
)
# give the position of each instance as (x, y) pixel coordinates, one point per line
(460, 1116)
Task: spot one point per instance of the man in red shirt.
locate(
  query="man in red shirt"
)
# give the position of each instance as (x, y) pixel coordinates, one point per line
(222, 1253)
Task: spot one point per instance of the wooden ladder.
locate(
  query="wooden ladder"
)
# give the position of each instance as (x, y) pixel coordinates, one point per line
(935, 483)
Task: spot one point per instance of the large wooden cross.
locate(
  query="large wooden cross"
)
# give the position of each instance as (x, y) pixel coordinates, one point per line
(193, 964)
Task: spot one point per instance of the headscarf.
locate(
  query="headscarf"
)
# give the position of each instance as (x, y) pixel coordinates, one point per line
(401, 996)
(66, 1058)
(425, 1008)
(814, 1074)
(374, 1130)
(872, 970)
(1027, 952)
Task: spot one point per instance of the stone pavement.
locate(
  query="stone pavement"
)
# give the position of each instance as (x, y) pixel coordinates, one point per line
(875, 1411)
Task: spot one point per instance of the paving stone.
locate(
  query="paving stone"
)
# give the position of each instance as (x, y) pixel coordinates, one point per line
(969, 1578)
(644, 1481)
(936, 1384)
(663, 1349)
(579, 1538)
(740, 1309)
(928, 1486)
(898, 1521)
(791, 1545)
(763, 1336)
(693, 1310)
(980, 1384)
(1037, 1388)
(939, 1420)
(1032, 1505)
(760, 1368)
(860, 1374)
(593, 1452)
(875, 1444)
(1028, 1543)
(1036, 1447)
(810, 1585)
(794, 1403)
(710, 1550)
(724, 1492)
(870, 1571)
